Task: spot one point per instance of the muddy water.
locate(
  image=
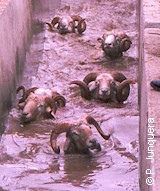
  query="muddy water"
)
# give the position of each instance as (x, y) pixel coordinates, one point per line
(27, 161)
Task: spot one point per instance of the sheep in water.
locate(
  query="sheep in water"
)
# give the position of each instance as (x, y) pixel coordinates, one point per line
(68, 24)
(79, 136)
(39, 102)
(105, 86)
(114, 45)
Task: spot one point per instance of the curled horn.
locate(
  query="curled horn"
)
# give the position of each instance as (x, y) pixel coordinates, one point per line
(85, 93)
(58, 129)
(22, 99)
(92, 121)
(55, 21)
(60, 100)
(118, 76)
(125, 43)
(123, 89)
(81, 27)
(90, 77)
(51, 103)
(54, 103)
(25, 92)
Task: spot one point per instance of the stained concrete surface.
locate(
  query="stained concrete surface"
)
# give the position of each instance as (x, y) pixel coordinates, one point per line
(15, 17)
(149, 104)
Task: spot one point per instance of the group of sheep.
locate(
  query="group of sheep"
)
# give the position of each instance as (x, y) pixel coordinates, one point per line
(37, 103)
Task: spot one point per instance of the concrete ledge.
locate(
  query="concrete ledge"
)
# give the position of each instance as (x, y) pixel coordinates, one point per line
(149, 99)
(151, 10)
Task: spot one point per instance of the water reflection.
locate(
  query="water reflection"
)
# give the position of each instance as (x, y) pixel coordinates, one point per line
(79, 170)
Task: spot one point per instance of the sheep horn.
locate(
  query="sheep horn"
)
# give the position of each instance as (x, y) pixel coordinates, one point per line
(119, 77)
(122, 90)
(22, 99)
(26, 92)
(90, 77)
(49, 25)
(92, 121)
(51, 103)
(55, 21)
(76, 18)
(54, 103)
(58, 129)
(125, 43)
(81, 27)
(100, 40)
(60, 100)
(85, 93)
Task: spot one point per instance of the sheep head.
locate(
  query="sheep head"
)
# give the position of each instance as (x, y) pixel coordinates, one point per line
(105, 87)
(79, 136)
(97, 86)
(102, 87)
(32, 108)
(25, 94)
(41, 102)
(115, 45)
(68, 24)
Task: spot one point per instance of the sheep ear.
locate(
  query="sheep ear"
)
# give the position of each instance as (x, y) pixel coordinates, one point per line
(53, 114)
(92, 86)
(85, 92)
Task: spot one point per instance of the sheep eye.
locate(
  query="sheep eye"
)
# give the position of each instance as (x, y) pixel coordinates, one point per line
(112, 84)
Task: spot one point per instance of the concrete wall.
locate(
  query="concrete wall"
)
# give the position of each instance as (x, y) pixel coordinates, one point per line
(15, 32)
(149, 99)
(17, 18)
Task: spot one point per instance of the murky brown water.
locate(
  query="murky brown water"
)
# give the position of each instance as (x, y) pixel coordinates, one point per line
(27, 161)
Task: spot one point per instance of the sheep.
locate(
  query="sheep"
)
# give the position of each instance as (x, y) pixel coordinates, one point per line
(107, 87)
(114, 45)
(79, 136)
(67, 24)
(37, 102)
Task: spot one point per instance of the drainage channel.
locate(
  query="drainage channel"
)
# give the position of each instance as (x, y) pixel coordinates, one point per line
(27, 161)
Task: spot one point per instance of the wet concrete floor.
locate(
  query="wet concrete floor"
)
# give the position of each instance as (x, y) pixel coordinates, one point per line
(27, 161)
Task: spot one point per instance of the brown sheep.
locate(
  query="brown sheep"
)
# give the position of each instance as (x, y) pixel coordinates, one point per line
(79, 136)
(114, 45)
(68, 24)
(105, 86)
(36, 102)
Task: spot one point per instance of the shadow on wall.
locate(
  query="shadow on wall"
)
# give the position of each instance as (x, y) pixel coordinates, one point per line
(43, 9)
